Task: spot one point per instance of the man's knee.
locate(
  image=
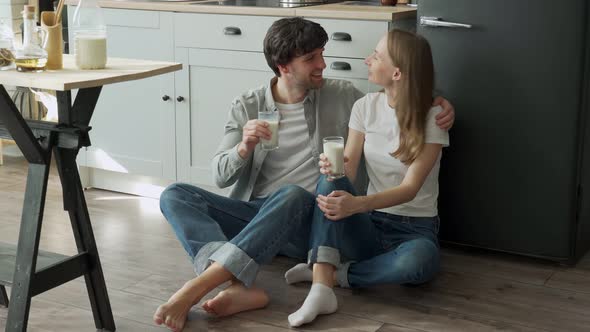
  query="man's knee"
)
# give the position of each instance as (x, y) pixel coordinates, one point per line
(168, 195)
(178, 193)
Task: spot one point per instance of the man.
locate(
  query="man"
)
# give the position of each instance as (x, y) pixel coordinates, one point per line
(266, 214)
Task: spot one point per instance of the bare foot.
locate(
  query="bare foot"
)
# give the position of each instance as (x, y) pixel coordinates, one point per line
(236, 298)
(174, 312)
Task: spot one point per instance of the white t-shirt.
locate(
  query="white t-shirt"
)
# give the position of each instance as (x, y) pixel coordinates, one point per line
(373, 116)
(292, 162)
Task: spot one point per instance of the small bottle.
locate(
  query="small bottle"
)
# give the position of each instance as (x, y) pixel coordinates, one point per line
(31, 56)
(6, 47)
(90, 35)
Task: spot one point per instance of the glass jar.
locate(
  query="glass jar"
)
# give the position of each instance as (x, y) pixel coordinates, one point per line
(90, 35)
(31, 56)
(6, 47)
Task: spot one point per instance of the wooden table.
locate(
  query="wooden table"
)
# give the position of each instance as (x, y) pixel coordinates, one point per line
(28, 270)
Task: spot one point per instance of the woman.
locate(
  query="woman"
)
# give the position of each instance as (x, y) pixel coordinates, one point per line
(391, 232)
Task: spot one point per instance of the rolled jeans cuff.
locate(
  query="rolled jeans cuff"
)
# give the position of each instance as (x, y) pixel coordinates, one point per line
(342, 275)
(237, 262)
(201, 261)
(324, 255)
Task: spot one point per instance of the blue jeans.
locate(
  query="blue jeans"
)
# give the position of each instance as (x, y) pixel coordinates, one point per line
(238, 235)
(377, 247)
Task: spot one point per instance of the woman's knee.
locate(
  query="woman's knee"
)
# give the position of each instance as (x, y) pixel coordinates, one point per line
(420, 259)
(293, 192)
(325, 187)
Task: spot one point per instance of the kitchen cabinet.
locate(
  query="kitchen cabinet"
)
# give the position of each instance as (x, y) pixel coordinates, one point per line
(221, 64)
(133, 124)
(183, 114)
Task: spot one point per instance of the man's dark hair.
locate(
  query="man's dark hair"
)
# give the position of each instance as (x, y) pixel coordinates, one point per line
(291, 37)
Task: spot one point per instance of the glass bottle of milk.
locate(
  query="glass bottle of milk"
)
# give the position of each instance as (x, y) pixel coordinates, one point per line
(90, 35)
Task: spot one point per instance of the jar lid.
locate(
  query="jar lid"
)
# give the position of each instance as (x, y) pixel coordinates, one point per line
(29, 11)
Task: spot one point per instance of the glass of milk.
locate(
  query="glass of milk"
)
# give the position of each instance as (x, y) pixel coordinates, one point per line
(334, 151)
(272, 118)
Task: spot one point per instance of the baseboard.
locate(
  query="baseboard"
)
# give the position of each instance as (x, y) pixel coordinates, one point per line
(139, 185)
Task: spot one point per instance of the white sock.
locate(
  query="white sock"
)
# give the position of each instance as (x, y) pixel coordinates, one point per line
(320, 300)
(301, 272)
(298, 273)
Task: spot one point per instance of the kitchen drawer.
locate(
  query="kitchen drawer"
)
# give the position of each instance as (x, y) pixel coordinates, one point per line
(125, 17)
(225, 32)
(228, 59)
(345, 68)
(131, 18)
(350, 38)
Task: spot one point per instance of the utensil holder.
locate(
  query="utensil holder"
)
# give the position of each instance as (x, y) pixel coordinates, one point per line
(54, 40)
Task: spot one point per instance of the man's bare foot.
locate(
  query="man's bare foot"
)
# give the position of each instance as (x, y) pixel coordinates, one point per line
(174, 312)
(236, 298)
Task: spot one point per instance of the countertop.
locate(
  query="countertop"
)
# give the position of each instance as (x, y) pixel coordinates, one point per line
(338, 10)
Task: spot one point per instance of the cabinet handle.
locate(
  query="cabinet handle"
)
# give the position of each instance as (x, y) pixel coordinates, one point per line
(341, 36)
(180, 99)
(339, 65)
(165, 97)
(232, 31)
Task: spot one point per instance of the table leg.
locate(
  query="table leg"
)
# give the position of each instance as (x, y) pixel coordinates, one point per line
(65, 140)
(3, 296)
(28, 247)
(75, 204)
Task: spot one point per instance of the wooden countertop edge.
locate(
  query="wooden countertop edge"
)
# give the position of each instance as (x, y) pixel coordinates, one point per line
(186, 7)
(122, 78)
(336, 11)
(354, 13)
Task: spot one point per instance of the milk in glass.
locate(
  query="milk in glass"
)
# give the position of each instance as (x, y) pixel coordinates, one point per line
(91, 52)
(90, 35)
(334, 151)
(272, 118)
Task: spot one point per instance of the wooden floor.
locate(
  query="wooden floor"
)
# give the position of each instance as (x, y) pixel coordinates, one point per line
(144, 265)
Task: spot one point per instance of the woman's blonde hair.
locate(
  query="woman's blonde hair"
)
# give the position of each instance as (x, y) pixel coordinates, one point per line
(412, 55)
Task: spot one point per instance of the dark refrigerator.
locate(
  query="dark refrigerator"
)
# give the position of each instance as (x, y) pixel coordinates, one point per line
(516, 177)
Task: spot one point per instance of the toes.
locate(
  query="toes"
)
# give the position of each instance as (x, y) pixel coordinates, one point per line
(158, 316)
(207, 307)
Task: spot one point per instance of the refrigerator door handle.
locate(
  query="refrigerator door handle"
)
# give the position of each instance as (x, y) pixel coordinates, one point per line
(431, 21)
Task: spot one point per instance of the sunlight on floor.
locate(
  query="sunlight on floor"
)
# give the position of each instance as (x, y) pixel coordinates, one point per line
(104, 161)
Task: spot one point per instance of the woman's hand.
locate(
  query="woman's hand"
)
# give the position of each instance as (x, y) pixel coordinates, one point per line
(339, 204)
(325, 164)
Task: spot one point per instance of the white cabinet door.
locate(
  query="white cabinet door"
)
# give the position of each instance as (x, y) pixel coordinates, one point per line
(133, 127)
(216, 77)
